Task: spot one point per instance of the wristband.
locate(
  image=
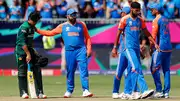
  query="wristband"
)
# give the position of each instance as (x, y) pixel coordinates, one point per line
(115, 47)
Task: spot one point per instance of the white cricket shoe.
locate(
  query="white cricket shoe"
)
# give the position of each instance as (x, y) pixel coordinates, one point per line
(147, 94)
(116, 95)
(158, 95)
(86, 93)
(122, 94)
(42, 96)
(135, 96)
(125, 96)
(166, 95)
(25, 96)
(67, 94)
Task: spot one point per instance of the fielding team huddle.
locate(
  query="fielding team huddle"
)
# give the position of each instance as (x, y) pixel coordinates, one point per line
(78, 48)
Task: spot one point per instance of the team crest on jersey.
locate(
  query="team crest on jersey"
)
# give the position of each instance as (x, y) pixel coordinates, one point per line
(130, 23)
(67, 28)
(78, 28)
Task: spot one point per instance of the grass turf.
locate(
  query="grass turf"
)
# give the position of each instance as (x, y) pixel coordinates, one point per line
(100, 85)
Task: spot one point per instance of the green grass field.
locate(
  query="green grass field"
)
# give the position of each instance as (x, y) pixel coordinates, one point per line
(100, 85)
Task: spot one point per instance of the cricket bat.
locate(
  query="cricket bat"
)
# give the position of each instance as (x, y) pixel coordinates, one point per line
(31, 84)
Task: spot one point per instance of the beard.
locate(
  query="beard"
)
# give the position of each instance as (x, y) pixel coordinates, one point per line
(72, 20)
(134, 15)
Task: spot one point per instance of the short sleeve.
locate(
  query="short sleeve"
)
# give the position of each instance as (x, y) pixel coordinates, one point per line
(22, 36)
(122, 24)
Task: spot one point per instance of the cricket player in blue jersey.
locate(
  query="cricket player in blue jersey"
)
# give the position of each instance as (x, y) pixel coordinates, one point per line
(162, 59)
(131, 24)
(77, 49)
(127, 73)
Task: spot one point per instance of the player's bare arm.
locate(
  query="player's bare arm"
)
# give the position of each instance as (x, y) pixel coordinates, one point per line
(28, 55)
(121, 27)
(53, 32)
(151, 39)
(87, 40)
(114, 50)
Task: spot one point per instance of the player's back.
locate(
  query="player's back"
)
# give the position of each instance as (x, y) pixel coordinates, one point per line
(163, 36)
(73, 35)
(131, 28)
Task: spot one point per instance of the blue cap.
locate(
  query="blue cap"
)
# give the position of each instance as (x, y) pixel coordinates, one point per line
(155, 6)
(126, 10)
(71, 11)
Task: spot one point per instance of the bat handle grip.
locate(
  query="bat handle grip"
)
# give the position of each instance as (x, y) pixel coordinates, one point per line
(29, 67)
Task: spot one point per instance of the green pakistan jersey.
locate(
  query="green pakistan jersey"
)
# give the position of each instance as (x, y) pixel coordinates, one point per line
(24, 37)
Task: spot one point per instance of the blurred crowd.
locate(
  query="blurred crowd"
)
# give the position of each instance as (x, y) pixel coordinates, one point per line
(20, 9)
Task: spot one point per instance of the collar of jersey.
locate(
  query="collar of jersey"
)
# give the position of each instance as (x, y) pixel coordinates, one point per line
(132, 17)
(71, 24)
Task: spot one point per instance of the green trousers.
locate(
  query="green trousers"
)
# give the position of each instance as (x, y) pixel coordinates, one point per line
(22, 73)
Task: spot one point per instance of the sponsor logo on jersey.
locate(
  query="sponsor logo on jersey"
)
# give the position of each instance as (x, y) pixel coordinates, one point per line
(135, 28)
(73, 34)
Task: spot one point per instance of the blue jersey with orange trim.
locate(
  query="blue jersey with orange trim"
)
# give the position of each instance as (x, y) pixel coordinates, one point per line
(73, 35)
(131, 28)
(161, 33)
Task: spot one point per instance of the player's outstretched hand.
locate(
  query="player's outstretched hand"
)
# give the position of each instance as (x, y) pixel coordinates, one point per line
(114, 53)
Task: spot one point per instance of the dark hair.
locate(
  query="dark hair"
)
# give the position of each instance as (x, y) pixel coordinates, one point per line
(135, 5)
(144, 37)
(34, 16)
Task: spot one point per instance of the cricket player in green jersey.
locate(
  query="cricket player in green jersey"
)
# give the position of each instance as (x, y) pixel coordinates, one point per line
(25, 54)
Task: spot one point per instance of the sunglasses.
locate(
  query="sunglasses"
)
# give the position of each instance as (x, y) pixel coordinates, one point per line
(73, 15)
